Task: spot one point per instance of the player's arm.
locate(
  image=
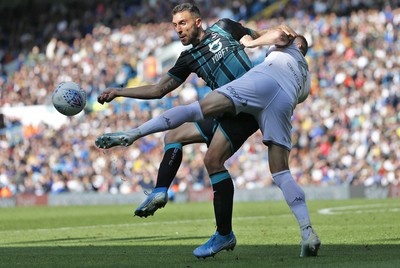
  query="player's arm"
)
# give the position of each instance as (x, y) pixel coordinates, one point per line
(147, 92)
(286, 29)
(269, 37)
(281, 35)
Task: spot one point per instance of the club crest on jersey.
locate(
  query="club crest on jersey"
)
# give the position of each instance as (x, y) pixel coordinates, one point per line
(215, 46)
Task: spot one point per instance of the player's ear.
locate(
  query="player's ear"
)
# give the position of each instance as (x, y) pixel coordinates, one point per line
(301, 48)
(302, 44)
(299, 45)
(198, 22)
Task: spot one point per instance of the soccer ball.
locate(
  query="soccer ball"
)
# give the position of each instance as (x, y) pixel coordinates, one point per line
(69, 98)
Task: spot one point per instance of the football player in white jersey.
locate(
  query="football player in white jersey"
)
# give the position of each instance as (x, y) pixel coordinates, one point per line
(270, 92)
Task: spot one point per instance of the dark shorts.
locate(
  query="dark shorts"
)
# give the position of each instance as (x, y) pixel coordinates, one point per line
(237, 129)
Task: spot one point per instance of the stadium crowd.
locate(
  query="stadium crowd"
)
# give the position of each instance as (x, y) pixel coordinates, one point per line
(346, 132)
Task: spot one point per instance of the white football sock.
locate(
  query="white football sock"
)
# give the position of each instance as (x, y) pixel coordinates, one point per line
(172, 118)
(295, 198)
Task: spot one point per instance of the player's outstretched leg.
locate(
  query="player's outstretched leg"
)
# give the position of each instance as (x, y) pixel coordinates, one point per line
(310, 246)
(170, 119)
(157, 199)
(215, 244)
(110, 140)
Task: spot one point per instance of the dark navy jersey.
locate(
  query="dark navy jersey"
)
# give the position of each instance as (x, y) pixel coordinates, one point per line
(218, 58)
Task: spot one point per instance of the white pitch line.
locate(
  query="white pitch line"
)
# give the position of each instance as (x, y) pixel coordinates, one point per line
(358, 209)
(140, 224)
(325, 211)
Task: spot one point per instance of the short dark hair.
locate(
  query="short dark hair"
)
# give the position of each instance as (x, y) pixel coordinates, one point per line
(303, 43)
(194, 10)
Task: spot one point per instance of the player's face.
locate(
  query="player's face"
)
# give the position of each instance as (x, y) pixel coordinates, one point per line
(187, 27)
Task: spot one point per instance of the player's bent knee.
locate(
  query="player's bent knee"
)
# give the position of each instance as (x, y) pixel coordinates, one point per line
(168, 138)
(171, 137)
(213, 164)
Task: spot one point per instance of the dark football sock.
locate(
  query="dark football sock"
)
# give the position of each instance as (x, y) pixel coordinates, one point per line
(223, 201)
(169, 165)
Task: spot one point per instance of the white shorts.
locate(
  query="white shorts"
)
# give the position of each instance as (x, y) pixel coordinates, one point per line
(261, 96)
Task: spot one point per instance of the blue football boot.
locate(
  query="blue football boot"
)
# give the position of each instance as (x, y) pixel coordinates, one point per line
(215, 244)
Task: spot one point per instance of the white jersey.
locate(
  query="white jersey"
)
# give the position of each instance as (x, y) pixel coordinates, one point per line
(270, 92)
(290, 69)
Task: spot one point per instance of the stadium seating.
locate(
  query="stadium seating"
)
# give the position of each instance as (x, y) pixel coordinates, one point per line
(347, 132)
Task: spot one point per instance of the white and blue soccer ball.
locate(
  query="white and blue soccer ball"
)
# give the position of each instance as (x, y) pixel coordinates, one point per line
(69, 98)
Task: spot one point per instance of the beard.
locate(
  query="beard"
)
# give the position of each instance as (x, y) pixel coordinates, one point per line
(192, 39)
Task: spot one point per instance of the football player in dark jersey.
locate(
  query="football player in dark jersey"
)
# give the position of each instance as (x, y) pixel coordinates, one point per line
(217, 57)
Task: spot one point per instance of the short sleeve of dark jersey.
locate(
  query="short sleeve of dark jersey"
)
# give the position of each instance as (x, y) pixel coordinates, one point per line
(180, 71)
(236, 29)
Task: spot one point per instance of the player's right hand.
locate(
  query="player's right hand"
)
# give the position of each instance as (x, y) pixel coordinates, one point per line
(291, 34)
(246, 41)
(106, 96)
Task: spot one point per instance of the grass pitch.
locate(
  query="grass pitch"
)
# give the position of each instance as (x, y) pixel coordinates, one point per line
(354, 233)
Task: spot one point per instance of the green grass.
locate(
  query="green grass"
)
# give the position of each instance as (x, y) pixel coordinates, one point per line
(361, 233)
